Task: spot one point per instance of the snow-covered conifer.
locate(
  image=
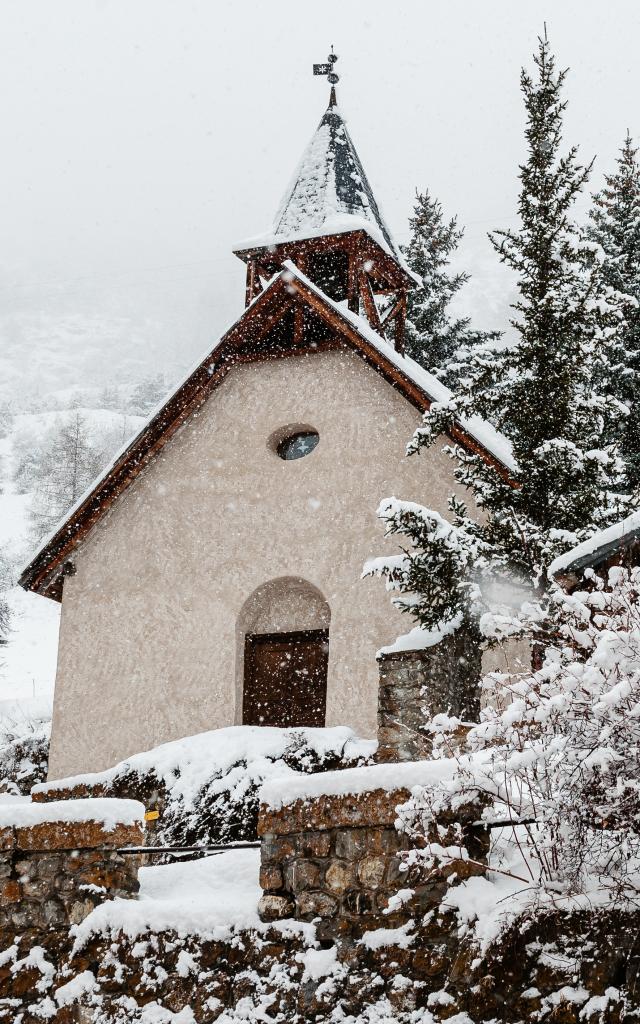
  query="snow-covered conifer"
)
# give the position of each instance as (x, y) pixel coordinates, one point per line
(5, 583)
(615, 227)
(434, 336)
(548, 393)
(147, 394)
(437, 578)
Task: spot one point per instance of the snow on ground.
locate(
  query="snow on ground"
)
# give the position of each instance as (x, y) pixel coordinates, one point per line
(212, 897)
(28, 661)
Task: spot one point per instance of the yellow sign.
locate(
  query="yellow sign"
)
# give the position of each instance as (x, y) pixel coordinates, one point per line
(151, 815)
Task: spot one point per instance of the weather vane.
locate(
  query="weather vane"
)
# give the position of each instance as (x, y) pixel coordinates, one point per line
(328, 69)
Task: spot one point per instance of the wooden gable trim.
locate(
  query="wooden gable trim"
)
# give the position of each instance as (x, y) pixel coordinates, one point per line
(45, 573)
(41, 574)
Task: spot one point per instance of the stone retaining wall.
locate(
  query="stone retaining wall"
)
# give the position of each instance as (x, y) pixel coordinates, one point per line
(416, 685)
(52, 874)
(338, 859)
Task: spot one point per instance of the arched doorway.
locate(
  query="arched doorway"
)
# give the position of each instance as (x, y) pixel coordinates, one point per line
(283, 652)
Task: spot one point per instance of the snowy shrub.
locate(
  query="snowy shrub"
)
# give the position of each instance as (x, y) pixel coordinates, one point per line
(559, 767)
(225, 808)
(205, 787)
(24, 747)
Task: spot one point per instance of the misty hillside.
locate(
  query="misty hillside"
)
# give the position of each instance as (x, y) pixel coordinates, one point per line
(37, 425)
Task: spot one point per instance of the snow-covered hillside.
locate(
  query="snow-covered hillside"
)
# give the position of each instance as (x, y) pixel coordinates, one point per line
(28, 661)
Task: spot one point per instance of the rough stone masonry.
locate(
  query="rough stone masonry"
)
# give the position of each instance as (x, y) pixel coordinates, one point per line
(53, 872)
(337, 860)
(415, 685)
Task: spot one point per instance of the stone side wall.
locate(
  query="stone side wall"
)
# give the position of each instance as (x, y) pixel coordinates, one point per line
(415, 685)
(338, 858)
(52, 874)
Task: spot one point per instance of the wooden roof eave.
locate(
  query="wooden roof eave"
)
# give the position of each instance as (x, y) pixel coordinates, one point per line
(359, 240)
(43, 574)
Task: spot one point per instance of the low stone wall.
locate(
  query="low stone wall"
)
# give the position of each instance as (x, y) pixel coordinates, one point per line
(338, 858)
(553, 968)
(416, 685)
(53, 872)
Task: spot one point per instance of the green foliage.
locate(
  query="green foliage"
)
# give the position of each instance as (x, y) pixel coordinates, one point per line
(434, 337)
(615, 227)
(549, 393)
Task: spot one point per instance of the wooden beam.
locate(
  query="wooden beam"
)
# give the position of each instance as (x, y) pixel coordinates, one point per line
(254, 284)
(353, 297)
(401, 320)
(370, 307)
(392, 311)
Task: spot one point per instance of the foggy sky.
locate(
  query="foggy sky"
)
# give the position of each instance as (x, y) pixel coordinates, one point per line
(142, 138)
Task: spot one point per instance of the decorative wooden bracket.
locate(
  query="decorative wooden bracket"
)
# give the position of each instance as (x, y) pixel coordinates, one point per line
(254, 284)
(370, 307)
(396, 314)
(298, 324)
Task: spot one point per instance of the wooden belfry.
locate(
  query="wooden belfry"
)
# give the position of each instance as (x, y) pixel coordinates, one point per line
(330, 227)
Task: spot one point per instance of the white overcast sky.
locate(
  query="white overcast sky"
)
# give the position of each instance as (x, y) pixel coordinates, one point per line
(142, 138)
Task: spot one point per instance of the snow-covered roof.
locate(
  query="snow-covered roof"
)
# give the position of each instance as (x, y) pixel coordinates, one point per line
(329, 192)
(598, 547)
(338, 225)
(494, 443)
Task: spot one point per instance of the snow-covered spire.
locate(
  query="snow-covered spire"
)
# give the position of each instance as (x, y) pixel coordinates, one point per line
(329, 191)
(330, 227)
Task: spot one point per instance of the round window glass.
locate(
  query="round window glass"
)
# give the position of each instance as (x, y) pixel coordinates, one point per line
(296, 446)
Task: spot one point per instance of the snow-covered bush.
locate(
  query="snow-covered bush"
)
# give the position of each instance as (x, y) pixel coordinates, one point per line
(25, 730)
(559, 766)
(205, 787)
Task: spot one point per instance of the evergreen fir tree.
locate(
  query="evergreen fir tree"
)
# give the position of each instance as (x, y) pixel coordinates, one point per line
(615, 226)
(541, 393)
(434, 337)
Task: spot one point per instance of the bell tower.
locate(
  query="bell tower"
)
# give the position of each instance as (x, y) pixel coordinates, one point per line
(330, 226)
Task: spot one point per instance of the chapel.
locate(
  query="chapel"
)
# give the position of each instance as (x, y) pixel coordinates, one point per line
(212, 575)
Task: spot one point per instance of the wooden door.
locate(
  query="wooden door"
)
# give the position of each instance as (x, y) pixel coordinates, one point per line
(285, 679)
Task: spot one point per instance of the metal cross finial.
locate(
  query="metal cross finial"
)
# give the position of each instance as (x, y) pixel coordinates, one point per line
(328, 70)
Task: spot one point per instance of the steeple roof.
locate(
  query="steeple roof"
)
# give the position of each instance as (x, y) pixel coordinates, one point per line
(329, 192)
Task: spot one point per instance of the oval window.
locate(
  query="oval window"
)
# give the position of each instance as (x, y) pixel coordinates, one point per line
(297, 445)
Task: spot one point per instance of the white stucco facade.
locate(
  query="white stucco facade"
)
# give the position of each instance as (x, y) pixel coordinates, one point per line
(151, 630)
